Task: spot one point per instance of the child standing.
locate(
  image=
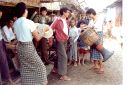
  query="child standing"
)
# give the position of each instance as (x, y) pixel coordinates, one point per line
(83, 49)
(73, 36)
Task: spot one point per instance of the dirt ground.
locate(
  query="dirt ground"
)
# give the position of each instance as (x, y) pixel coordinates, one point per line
(81, 75)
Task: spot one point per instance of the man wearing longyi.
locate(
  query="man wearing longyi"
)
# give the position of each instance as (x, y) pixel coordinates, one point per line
(61, 33)
(97, 44)
(5, 76)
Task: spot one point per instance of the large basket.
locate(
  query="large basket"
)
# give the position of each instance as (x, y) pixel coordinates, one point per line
(41, 28)
(89, 36)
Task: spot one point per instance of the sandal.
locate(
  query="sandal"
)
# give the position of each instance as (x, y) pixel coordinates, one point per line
(54, 71)
(94, 68)
(100, 72)
(65, 78)
(75, 64)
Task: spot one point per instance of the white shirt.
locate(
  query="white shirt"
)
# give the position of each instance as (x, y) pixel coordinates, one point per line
(23, 28)
(96, 24)
(9, 35)
(65, 29)
(1, 37)
(43, 20)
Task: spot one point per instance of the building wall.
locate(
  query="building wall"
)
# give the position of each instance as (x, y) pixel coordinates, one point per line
(118, 20)
(114, 13)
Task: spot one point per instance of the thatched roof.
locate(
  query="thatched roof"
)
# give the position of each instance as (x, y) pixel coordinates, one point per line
(30, 3)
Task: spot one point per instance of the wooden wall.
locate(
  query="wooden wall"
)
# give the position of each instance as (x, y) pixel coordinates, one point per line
(34, 3)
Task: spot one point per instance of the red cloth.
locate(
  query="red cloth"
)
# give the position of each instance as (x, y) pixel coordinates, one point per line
(59, 26)
(83, 51)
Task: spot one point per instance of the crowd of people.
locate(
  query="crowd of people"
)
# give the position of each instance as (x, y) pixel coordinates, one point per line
(20, 37)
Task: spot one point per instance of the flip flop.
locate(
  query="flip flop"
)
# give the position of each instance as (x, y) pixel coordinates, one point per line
(100, 72)
(75, 65)
(65, 78)
(54, 71)
(93, 68)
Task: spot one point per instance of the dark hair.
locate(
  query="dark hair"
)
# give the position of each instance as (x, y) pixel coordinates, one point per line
(20, 9)
(43, 9)
(8, 17)
(54, 12)
(80, 22)
(110, 21)
(73, 19)
(64, 9)
(91, 11)
(1, 9)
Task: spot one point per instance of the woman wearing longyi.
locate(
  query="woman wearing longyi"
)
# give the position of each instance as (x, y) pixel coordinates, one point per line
(33, 71)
